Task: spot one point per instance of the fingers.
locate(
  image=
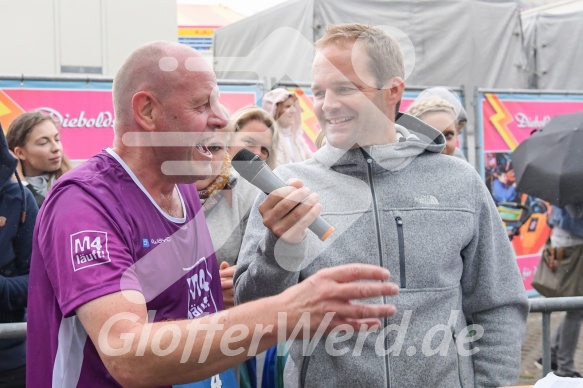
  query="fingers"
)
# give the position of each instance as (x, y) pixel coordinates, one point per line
(227, 285)
(297, 231)
(336, 287)
(281, 202)
(352, 272)
(289, 210)
(227, 272)
(298, 184)
(360, 290)
(277, 195)
(349, 311)
(228, 298)
(369, 316)
(367, 324)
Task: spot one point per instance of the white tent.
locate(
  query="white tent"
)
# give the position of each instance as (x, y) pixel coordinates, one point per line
(452, 42)
(456, 43)
(554, 45)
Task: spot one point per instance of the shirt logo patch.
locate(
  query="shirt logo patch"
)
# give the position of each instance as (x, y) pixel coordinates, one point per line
(88, 249)
(200, 297)
(426, 200)
(145, 243)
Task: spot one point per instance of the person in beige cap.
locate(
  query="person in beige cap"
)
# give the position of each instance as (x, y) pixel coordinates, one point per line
(441, 115)
(451, 97)
(289, 143)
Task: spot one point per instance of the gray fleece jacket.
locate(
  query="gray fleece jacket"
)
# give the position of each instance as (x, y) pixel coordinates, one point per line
(430, 220)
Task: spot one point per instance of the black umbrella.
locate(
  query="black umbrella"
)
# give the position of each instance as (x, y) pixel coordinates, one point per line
(549, 164)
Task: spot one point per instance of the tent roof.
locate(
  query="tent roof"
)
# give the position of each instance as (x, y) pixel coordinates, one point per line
(450, 43)
(559, 7)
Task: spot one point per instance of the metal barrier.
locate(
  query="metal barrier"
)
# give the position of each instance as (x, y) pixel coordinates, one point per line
(546, 306)
(12, 330)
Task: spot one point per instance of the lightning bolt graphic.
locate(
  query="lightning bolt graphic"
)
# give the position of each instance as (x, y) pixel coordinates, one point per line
(9, 110)
(501, 119)
(310, 124)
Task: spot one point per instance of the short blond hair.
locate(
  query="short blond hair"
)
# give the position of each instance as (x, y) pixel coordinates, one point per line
(422, 106)
(250, 113)
(383, 50)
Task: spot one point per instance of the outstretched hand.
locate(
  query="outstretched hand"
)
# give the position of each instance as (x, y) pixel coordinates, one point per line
(332, 290)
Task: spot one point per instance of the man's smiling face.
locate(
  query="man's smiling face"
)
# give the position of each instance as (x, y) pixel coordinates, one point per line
(350, 107)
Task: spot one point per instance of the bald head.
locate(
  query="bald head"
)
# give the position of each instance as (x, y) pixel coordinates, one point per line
(157, 67)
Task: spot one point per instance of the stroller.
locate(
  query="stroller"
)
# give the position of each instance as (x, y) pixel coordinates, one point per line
(513, 215)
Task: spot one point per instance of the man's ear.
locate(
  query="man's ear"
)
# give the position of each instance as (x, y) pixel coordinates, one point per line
(144, 108)
(393, 91)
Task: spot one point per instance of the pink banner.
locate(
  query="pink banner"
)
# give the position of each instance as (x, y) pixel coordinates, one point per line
(506, 123)
(86, 116)
(527, 266)
(507, 120)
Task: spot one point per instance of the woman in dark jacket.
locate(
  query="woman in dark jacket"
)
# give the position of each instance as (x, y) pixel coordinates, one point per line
(18, 211)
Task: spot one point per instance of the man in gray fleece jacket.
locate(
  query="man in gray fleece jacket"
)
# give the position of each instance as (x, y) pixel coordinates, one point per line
(395, 201)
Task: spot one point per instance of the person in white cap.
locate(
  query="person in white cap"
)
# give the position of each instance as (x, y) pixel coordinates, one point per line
(451, 97)
(289, 142)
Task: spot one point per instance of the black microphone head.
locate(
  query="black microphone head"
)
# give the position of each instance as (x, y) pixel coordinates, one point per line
(244, 155)
(247, 164)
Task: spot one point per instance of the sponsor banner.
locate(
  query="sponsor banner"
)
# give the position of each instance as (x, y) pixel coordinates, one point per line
(199, 38)
(85, 110)
(504, 121)
(508, 119)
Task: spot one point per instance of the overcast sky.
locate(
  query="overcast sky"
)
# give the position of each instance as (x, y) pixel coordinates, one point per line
(246, 7)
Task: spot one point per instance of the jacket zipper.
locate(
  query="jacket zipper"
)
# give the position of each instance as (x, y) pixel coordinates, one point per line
(304, 371)
(457, 359)
(403, 275)
(379, 245)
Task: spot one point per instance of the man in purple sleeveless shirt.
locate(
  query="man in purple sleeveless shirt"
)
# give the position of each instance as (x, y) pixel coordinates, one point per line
(123, 274)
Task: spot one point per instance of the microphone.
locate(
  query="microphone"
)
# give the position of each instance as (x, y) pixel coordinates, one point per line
(253, 169)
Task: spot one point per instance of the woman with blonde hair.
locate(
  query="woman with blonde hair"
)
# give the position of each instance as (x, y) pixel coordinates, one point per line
(34, 139)
(441, 115)
(254, 130)
(289, 142)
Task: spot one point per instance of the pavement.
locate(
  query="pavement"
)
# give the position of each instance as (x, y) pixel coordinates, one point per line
(532, 347)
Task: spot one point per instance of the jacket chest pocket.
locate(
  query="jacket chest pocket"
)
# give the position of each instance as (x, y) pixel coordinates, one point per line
(422, 248)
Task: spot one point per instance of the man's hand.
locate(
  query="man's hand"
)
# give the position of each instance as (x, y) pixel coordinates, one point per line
(288, 211)
(332, 289)
(129, 346)
(227, 274)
